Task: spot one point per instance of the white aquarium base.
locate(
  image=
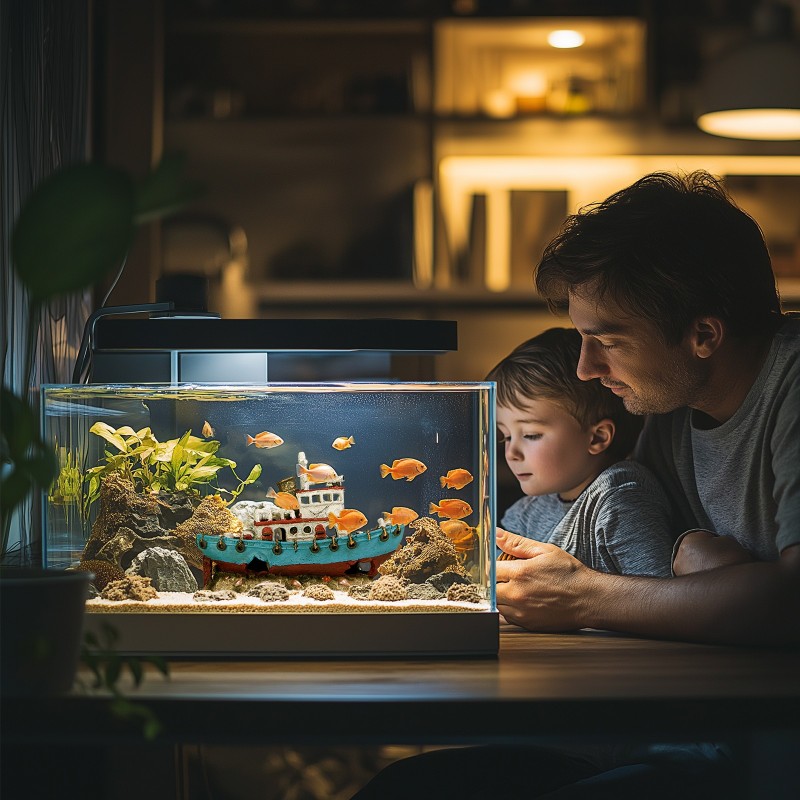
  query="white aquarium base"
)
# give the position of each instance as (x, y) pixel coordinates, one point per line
(278, 635)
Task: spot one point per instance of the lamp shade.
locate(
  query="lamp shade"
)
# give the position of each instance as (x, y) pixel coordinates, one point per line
(753, 93)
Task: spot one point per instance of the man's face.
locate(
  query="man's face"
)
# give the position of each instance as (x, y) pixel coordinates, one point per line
(630, 357)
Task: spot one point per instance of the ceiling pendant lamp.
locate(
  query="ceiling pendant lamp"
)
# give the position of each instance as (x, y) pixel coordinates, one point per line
(753, 91)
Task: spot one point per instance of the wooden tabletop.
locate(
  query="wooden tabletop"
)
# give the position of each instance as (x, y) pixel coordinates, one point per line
(587, 682)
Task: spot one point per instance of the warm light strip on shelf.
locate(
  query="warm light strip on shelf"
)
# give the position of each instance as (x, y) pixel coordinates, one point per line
(585, 179)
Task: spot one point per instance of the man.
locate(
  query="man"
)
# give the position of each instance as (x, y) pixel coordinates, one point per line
(671, 287)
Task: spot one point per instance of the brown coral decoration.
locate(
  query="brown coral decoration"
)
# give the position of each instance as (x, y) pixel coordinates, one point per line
(131, 587)
(463, 592)
(206, 596)
(319, 592)
(428, 551)
(104, 572)
(270, 592)
(212, 518)
(388, 588)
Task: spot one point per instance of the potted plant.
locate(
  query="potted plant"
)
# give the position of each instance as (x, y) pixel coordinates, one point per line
(74, 229)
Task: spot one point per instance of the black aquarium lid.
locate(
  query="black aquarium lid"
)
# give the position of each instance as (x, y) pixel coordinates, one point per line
(308, 335)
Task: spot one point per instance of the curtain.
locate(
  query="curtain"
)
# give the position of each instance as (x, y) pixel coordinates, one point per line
(44, 96)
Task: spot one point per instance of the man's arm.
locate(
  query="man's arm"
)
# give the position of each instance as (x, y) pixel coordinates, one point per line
(700, 550)
(546, 589)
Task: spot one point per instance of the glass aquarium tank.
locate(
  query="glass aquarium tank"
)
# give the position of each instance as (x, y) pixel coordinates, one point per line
(278, 520)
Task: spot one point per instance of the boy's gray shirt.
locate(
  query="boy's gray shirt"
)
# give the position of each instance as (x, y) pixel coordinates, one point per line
(741, 478)
(619, 524)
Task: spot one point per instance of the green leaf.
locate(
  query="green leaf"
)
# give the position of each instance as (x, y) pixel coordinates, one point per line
(75, 228)
(165, 190)
(254, 475)
(203, 473)
(109, 434)
(135, 666)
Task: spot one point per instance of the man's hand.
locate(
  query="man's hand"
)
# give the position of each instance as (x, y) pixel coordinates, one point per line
(543, 588)
(701, 550)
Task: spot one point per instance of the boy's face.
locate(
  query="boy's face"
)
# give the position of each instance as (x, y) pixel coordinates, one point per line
(547, 449)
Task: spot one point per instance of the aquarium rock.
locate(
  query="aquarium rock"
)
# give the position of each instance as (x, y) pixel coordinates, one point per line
(388, 588)
(165, 568)
(465, 593)
(444, 580)
(428, 551)
(205, 596)
(212, 518)
(423, 591)
(269, 592)
(359, 591)
(131, 587)
(318, 591)
(122, 507)
(104, 572)
(130, 522)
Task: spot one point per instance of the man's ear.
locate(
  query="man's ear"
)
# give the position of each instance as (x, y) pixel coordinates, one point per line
(602, 435)
(706, 335)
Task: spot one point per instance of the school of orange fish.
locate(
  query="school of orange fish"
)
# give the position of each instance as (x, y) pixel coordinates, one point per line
(453, 510)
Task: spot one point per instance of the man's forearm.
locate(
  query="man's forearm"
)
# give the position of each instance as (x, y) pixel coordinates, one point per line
(753, 603)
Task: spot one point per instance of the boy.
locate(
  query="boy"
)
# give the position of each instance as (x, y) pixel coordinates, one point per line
(566, 441)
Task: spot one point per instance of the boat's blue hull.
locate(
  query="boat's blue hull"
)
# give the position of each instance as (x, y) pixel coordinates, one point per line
(329, 555)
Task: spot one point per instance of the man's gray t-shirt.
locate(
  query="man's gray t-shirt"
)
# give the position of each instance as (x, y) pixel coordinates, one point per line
(741, 478)
(619, 524)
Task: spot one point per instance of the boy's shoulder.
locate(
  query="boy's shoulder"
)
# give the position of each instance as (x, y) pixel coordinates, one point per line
(625, 473)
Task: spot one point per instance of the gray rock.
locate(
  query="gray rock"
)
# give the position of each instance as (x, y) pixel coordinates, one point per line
(423, 591)
(444, 580)
(166, 569)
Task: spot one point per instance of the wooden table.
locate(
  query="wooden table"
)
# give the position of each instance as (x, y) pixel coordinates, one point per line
(540, 686)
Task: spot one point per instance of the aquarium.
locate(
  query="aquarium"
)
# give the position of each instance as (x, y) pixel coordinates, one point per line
(275, 520)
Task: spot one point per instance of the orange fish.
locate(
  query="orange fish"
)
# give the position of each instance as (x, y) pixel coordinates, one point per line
(284, 500)
(451, 508)
(317, 473)
(407, 468)
(460, 534)
(456, 479)
(348, 520)
(265, 439)
(207, 429)
(400, 515)
(343, 442)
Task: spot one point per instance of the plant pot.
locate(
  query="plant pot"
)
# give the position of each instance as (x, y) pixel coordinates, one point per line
(41, 627)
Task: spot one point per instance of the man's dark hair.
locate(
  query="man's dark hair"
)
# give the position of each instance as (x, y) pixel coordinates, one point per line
(669, 248)
(544, 368)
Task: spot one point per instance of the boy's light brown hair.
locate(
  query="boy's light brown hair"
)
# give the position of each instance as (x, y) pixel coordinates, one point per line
(544, 368)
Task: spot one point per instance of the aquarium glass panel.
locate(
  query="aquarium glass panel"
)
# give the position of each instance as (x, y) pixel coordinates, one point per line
(318, 497)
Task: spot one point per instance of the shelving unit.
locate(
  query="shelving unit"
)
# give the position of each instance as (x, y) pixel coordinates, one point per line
(348, 154)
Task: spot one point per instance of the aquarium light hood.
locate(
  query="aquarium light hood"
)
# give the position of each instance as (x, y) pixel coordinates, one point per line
(213, 350)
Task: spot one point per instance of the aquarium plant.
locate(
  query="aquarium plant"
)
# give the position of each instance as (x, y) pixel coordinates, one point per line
(185, 464)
